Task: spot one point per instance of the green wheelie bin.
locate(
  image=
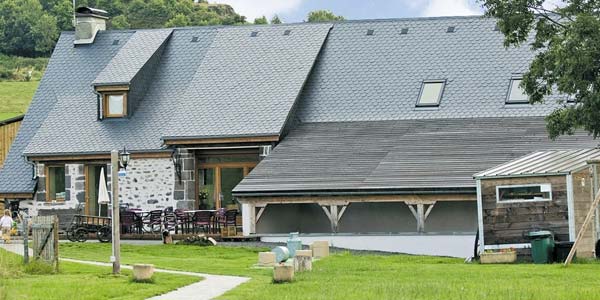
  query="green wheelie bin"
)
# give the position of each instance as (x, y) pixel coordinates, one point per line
(542, 246)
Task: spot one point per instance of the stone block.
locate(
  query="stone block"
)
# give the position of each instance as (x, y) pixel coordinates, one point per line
(266, 259)
(80, 197)
(320, 248)
(143, 272)
(41, 197)
(304, 253)
(179, 195)
(283, 273)
(302, 262)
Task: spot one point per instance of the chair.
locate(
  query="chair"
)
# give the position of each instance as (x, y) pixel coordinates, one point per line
(183, 220)
(168, 210)
(128, 222)
(153, 221)
(170, 222)
(201, 219)
(229, 218)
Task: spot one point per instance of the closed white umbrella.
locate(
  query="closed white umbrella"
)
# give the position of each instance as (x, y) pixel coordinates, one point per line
(102, 192)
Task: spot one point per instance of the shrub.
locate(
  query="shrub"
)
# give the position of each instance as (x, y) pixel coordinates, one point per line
(198, 240)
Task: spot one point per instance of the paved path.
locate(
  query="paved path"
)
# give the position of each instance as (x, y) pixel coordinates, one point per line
(211, 287)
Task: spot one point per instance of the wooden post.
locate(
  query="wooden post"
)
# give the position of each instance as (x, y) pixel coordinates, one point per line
(55, 235)
(116, 238)
(583, 228)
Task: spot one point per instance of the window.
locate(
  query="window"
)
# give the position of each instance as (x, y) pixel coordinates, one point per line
(431, 93)
(115, 105)
(524, 193)
(55, 183)
(515, 93)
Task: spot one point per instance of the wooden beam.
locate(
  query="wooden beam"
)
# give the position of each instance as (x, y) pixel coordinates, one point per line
(111, 88)
(345, 200)
(342, 212)
(250, 139)
(582, 230)
(88, 157)
(260, 212)
(429, 210)
(420, 213)
(16, 196)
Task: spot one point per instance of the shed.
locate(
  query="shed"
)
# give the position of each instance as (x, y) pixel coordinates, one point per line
(544, 190)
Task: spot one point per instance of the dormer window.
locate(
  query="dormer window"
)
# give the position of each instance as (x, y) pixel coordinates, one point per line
(516, 94)
(115, 105)
(113, 101)
(431, 93)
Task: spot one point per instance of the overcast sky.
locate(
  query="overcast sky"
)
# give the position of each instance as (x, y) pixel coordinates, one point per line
(296, 10)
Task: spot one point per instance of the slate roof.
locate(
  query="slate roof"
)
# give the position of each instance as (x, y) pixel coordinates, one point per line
(220, 81)
(542, 163)
(132, 57)
(397, 156)
(248, 85)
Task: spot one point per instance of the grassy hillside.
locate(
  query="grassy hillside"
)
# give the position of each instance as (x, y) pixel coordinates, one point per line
(15, 97)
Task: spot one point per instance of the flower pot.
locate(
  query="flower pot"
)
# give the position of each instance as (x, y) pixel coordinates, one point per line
(498, 257)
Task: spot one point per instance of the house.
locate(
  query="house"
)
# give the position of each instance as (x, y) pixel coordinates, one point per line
(544, 190)
(8, 132)
(366, 133)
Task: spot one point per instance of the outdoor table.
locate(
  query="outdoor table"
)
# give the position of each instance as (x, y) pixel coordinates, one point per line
(212, 214)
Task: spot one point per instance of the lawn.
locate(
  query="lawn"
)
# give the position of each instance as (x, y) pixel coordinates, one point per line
(349, 276)
(15, 97)
(77, 281)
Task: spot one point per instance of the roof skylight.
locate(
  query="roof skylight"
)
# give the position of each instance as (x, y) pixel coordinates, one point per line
(516, 94)
(431, 93)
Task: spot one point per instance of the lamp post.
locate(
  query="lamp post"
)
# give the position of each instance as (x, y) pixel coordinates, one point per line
(117, 160)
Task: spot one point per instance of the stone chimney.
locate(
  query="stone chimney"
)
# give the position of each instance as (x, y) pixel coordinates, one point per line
(88, 21)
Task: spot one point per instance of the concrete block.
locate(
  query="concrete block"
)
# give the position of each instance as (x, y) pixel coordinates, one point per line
(143, 272)
(283, 273)
(302, 262)
(266, 259)
(308, 253)
(320, 248)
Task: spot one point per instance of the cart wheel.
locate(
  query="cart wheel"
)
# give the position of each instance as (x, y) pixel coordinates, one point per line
(71, 234)
(104, 234)
(81, 235)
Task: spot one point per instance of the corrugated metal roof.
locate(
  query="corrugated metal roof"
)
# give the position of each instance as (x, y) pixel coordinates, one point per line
(543, 163)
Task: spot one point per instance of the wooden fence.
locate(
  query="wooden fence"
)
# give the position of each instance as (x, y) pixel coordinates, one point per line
(8, 132)
(45, 239)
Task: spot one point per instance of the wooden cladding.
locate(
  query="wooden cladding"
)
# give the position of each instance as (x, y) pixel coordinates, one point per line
(344, 200)
(8, 132)
(509, 223)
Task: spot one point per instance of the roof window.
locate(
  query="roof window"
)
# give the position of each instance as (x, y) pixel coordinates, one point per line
(516, 94)
(254, 34)
(370, 31)
(194, 39)
(404, 31)
(287, 32)
(431, 93)
(451, 29)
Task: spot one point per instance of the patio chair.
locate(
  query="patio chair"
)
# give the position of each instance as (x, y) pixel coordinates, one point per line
(182, 219)
(168, 210)
(129, 223)
(202, 220)
(153, 221)
(170, 222)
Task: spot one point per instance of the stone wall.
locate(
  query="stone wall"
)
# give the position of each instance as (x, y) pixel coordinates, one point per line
(149, 184)
(185, 189)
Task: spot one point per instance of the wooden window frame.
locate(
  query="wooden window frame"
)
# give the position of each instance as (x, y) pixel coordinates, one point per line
(105, 108)
(245, 166)
(498, 200)
(47, 173)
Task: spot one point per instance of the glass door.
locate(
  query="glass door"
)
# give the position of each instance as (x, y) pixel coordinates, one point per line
(92, 182)
(207, 189)
(230, 177)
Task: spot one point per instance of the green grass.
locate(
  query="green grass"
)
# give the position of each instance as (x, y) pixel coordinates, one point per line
(348, 276)
(78, 281)
(15, 97)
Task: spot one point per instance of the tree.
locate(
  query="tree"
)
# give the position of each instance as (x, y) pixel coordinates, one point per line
(25, 29)
(275, 20)
(261, 20)
(566, 40)
(323, 16)
(179, 20)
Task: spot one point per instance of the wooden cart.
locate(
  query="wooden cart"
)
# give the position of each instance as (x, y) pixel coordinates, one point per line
(82, 225)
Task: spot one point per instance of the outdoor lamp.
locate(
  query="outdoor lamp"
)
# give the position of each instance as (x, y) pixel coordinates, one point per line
(124, 157)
